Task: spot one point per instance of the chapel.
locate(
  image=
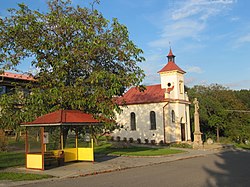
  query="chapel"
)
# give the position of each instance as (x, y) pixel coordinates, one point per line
(160, 113)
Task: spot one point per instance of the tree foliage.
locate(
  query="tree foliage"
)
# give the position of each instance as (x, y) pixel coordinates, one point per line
(223, 111)
(82, 59)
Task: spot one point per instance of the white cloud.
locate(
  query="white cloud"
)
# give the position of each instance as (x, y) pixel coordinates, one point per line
(242, 84)
(188, 19)
(243, 39)
(194, 69)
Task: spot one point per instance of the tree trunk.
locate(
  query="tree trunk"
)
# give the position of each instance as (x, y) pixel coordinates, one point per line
(17, 135)
(218, 134)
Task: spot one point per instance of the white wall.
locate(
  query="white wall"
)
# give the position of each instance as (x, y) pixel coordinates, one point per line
(142, 112)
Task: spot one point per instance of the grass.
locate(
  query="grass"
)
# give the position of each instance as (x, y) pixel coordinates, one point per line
(22, 176)
(11, 159)
(107, 148)
(243, 146)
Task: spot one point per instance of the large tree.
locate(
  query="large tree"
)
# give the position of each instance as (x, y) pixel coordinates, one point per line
(82, 59)
(220, 111)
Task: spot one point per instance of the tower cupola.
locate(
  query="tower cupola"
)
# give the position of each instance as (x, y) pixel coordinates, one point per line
(171, 56)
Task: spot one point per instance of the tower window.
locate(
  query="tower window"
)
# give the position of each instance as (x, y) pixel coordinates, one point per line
(152, 121)
(181, 87)
(132, 121)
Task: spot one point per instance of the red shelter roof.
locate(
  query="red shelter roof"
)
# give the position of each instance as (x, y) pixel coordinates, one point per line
(152, 94)
(63, 117)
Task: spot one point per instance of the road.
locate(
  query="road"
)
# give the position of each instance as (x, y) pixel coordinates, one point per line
(221, 169)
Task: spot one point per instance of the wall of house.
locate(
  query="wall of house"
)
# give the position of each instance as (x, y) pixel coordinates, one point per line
(175, 79)
(142, 112)
(173, 127)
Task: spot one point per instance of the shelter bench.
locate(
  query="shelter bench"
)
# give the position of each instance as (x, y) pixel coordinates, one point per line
(54, 158)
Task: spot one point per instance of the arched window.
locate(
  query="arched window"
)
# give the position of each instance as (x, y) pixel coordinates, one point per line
(152, 121)
(132, 121)
(173, 116)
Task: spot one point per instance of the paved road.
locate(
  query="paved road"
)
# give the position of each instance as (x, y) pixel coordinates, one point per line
(221, 169)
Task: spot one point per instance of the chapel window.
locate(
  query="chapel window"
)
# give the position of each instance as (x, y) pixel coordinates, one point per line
(152, 121)
(173, 116)
(132, 121)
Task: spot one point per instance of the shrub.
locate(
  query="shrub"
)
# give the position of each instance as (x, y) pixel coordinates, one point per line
(3, 141)
(138, 140)
(181, 145)
(161, 142)
(146, 141)
(112, 138)
(118, 138)
(125, 139)
(131, 140)
(153, 142)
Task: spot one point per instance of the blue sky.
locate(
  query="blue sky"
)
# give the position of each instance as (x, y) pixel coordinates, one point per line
(210, 38)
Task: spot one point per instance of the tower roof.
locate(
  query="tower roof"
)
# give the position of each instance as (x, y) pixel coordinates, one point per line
(170, 54)
(171, 65)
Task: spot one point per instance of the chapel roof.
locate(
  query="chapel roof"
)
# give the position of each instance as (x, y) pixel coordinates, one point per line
(152, 94)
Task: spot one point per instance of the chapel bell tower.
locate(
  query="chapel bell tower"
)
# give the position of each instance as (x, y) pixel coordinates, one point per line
(172, 78)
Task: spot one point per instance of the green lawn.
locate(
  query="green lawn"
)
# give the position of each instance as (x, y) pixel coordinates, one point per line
(22, 176)
(243, 146)
(107, 148)
(11, 159)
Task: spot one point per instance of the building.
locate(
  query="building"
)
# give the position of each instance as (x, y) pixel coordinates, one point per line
(160, 114)
(8, 81)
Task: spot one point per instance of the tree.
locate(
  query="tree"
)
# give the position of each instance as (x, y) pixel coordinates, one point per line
(217, 118)
(83, 60)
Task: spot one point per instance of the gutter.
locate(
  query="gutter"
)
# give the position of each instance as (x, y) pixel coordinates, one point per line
(164, 124)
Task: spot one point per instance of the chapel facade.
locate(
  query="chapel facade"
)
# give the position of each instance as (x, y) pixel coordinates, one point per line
(160, 113)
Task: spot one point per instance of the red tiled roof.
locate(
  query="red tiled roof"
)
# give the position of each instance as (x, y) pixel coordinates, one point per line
(152, 94)
(171, 66)
(17, 76)
(64, 116)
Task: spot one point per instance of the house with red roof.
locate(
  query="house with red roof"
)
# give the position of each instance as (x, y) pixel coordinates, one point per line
(160, 113)
(8, 81)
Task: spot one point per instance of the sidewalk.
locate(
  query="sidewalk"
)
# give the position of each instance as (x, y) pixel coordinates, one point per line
(106, 163)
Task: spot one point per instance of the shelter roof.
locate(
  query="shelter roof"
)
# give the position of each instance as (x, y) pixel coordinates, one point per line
(64, 117)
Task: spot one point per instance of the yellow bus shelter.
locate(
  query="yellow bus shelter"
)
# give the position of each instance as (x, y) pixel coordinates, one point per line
(57, 137)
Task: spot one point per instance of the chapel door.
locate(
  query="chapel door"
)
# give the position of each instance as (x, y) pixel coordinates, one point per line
(183, 132)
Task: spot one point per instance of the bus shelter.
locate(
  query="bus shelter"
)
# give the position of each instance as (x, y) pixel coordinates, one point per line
(58, 137)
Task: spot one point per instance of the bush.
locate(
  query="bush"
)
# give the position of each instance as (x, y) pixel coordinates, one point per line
(112, 138)
(3, 141)
(138, 140)
(131, 140)
(124, 139)
(146, 141)
(161, 142)
(118, 138)
(153, 142)
(181, 145)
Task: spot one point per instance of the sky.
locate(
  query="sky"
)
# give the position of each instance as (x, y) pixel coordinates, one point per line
(210, 38)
